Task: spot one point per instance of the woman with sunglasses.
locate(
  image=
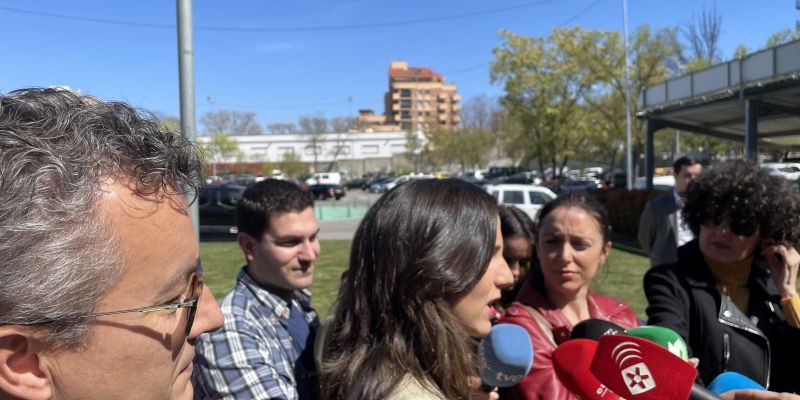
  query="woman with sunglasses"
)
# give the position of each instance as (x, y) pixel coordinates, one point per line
(732, 293)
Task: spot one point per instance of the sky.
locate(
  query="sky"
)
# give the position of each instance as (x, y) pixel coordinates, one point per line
(286, 59)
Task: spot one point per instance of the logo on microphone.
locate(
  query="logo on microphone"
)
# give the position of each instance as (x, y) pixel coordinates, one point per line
(637, 377)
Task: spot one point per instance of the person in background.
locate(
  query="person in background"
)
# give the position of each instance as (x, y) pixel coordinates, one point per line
(265, 348)
(572, 246)
(425, 267)
(102, 294)
(518, 241)
(732, 293)
(662, 229)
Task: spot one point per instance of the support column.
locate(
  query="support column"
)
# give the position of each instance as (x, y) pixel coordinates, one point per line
(751, 109)
(649, 152)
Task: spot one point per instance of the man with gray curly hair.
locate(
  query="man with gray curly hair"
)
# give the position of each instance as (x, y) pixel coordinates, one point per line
(101, 289)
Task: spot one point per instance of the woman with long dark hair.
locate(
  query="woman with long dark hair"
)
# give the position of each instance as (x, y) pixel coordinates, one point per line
(518, 249)
(425, 267)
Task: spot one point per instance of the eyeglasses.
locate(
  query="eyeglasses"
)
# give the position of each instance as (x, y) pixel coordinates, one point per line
(196, 284)
(737, 228)
(195, 290)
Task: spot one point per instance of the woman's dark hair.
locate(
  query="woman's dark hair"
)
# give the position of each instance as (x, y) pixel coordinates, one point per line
(578, 200)
(514, 222)
(419, 249)
(748, 196)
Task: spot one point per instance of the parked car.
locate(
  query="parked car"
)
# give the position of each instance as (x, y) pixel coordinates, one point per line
(379, 186)
(585, 184)
(319, 178)
(403, 179)
(217, 208)
(789, 171)
(326, 191)
(528, 198)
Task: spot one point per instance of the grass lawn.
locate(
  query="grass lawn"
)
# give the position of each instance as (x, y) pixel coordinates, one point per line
(222, 261)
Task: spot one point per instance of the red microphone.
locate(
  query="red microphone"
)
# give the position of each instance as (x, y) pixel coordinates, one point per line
(637, 368)
(571, 362)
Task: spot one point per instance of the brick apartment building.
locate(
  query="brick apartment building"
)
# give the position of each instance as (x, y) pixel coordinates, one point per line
(418, 98)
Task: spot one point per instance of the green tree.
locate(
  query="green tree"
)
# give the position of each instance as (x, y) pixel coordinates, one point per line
(220, 148)
(292, 166)
(782, 36)
(543, 88)
(653, 56)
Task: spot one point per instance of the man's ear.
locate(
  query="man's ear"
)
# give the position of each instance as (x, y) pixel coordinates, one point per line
(247, 243)
(21, 370)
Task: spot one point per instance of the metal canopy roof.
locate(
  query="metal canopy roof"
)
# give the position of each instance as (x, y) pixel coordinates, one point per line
(713, 101)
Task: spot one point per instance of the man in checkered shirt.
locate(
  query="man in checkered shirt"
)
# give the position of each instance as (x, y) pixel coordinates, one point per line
(264, 349)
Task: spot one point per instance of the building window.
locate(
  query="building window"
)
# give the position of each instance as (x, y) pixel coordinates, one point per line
(282, 151)
(405, 92)
(405, 104)
(310, 150)
(405, 126)
(369, 149)
(405, 114)
(343, 150)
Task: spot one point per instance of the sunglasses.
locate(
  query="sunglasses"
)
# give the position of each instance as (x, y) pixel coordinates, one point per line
(737, 228)
(192, 298)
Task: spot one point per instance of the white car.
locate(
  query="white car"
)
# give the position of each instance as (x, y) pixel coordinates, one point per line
(406, 178)
(528, 198)
(790, 171)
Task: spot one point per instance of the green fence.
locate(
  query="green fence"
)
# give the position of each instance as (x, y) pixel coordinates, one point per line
(341, 209)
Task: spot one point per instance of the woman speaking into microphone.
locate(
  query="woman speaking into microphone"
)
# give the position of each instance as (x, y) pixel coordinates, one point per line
(425, 267)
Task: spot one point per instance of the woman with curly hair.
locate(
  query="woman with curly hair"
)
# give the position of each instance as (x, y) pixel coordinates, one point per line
(732, 293)
(425, 266)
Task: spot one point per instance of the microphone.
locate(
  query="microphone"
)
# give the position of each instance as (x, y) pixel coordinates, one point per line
(727, 381)
(505, 356)
(638, 369)
(571, 361)
(665, 337)
(593, 328)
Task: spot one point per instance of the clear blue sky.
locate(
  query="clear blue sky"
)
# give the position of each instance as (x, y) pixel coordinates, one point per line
(127, 50)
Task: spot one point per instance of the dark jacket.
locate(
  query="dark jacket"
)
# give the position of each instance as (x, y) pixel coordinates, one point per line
(542, 382)
(684, 297)
(658, 227)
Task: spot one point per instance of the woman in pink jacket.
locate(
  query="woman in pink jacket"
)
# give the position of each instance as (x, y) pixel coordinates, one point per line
(571, 246)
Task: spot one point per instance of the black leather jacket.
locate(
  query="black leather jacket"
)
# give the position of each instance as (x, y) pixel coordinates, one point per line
(684, 297)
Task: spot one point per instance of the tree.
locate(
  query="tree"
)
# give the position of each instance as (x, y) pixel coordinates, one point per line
(702, 33)
(220, 148)
(652, 56)
(342, 124)
(478, 112)
(291, 165)
(781, 37)
(741, 51)
(230, 122)
(544, 85)
(282, 129)
(169, 122)
(314, 126)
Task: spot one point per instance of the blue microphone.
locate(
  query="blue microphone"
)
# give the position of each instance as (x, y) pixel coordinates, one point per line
(727, 381)
(505, 356)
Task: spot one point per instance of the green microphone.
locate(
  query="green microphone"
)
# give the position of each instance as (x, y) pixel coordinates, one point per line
(664, 337)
